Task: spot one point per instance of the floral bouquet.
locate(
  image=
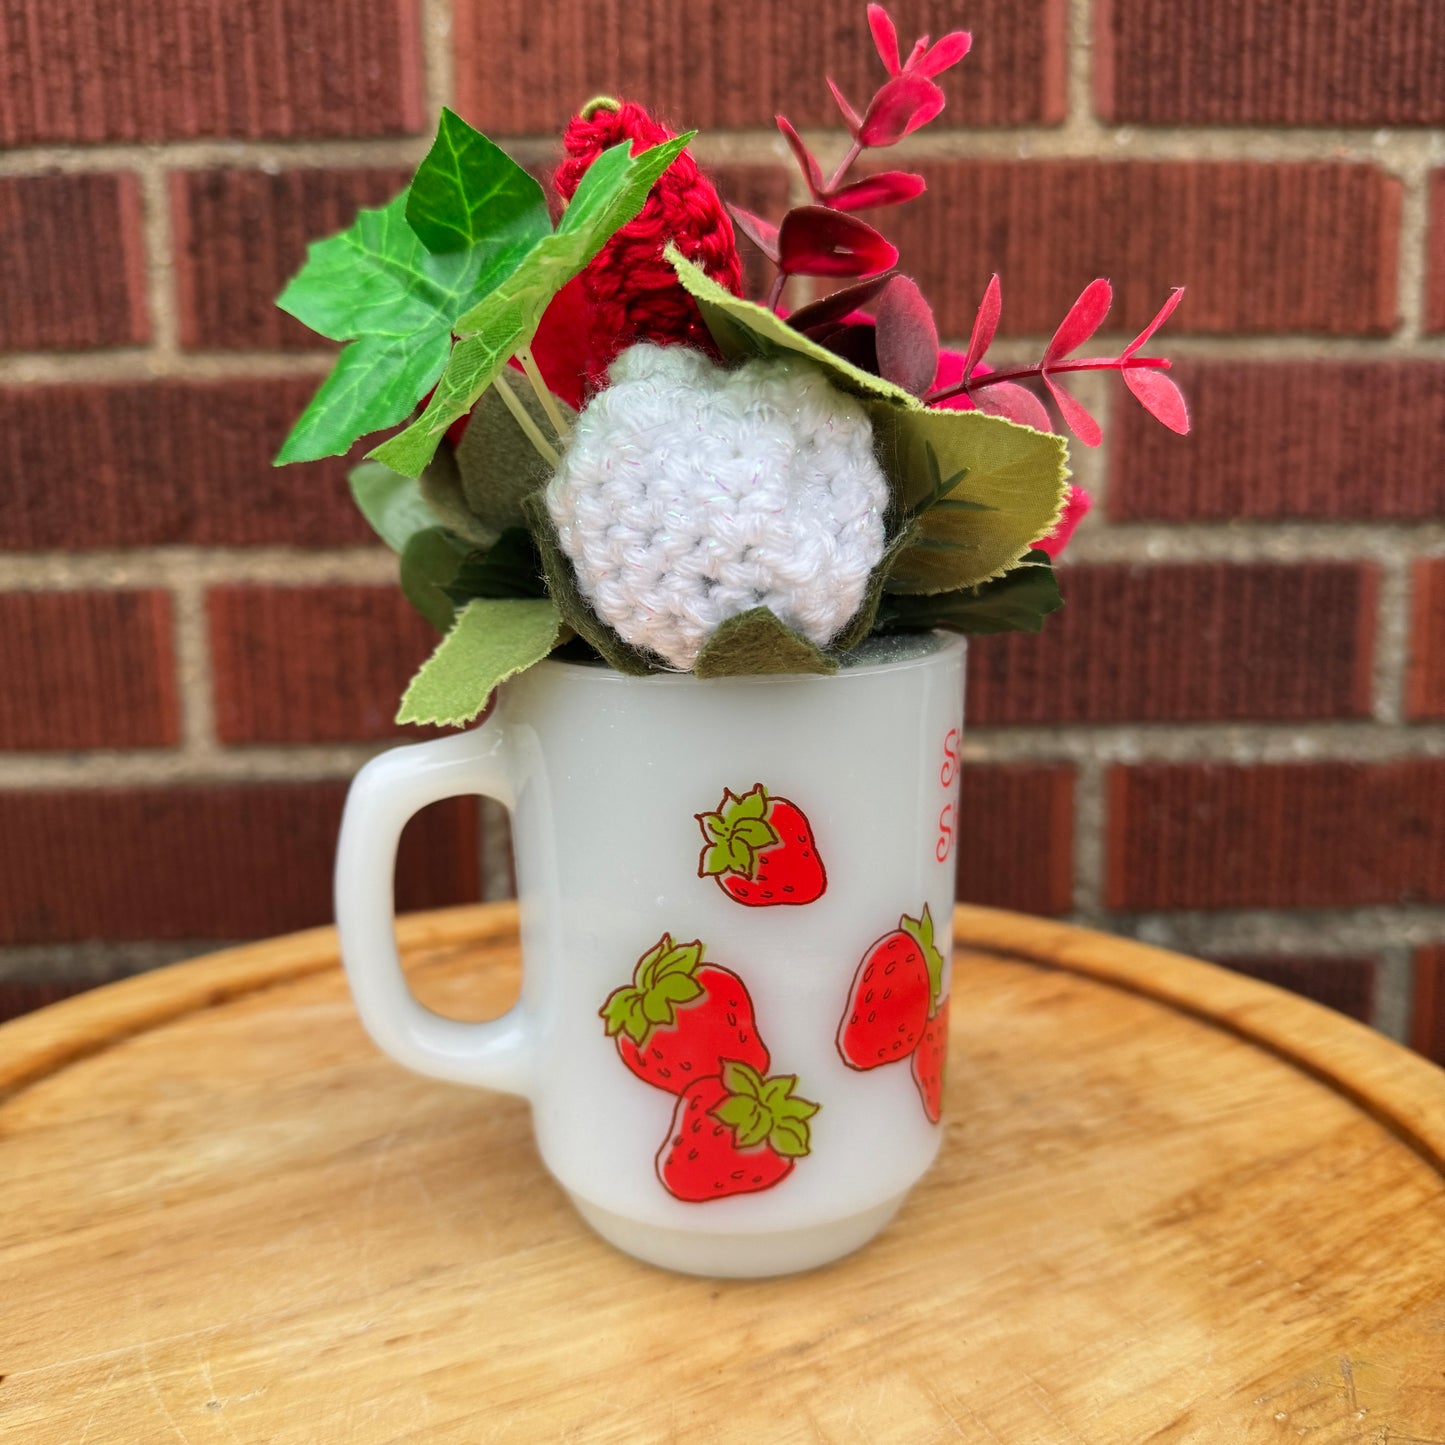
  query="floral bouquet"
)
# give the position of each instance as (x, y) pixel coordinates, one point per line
(617, 455)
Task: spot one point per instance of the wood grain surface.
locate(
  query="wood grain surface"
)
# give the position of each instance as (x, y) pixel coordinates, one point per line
(1172, 1205)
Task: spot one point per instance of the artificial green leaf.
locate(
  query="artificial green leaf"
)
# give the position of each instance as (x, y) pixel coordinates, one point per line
(373, 385)
(392, 503)
(743, 330)
(612, 191)
(510, 568)
(860, 625)
(491, 641)
(1018, 474)
(563, 590)
(430, 561)
(377, 287)
(469, 192)
(1016, 602)
(497, 463)
(756, 642)
(440, 485)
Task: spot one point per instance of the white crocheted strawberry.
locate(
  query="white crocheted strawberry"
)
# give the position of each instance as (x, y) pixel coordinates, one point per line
(689, 494)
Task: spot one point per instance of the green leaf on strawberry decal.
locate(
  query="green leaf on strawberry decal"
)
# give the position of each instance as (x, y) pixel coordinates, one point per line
(920, 930)
(736, 832)
(664, 978)
(760, 1110)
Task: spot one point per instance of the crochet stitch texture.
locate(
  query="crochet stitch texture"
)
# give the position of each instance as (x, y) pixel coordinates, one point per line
(689, 494)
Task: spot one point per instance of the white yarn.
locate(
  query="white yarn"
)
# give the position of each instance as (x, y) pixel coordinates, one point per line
(689, 494)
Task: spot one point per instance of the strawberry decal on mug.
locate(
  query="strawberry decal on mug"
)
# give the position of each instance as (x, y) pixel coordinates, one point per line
(735, 1133)
(896, 1010)
(760, 849)
(680, 1017)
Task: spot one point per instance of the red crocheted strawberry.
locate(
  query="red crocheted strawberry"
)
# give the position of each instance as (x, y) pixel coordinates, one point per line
(680, 1017)
(632, 293)
(760, 849)
(929, 1059)
(734, 1133)
(893, 996)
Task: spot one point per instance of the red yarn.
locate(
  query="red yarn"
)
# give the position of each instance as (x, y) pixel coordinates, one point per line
(633, 293)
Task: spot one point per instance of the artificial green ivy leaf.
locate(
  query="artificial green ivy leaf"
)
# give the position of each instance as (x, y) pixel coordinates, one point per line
(468, 192)
(1012, 481)
(491, 641)
(430, 562)
(510, 568)
(563, 590)
(1016, 602)
(612, 191)
(393, 504)
(756, 642)
(378, 288)
(743, 330)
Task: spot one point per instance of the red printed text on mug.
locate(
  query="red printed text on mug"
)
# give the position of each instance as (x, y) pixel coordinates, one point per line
(948, 814)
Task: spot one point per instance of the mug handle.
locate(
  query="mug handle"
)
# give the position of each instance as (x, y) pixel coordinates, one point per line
(384, 795)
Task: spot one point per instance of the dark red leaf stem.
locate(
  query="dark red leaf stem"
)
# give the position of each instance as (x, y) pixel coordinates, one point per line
(1025, 373)
(844, 166)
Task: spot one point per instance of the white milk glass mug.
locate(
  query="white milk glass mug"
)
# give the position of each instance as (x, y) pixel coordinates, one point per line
(736, 899)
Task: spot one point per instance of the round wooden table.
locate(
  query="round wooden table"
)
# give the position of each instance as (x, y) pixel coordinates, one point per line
(1172, 1204)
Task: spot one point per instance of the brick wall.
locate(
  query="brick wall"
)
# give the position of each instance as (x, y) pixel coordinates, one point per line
(1232, 741)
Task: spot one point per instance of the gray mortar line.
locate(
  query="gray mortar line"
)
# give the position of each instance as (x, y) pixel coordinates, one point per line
(1392, 640)
(168, 566)
(1410, 267)
(281, 762)
(1284, 542)
(1394, 991)
(495, 851)
(129, 365)
(193, 670)
(1287, 932)
(160, 290)
(94, 961)
(1080, 122)
(438, 60)
(1202, 742)
(1089, 838)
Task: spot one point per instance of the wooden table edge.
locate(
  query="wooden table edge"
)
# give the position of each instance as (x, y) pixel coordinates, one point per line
(1403, 1091)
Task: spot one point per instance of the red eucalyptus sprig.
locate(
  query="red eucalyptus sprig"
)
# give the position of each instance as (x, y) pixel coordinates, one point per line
(1143, 375)
(822, 239)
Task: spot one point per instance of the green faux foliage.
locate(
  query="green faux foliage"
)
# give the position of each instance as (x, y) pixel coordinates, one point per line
(430, 563)
(393, 504)
(1009, 480)
(469, 192)
(758, 642)
(612, 191)
(511, 568)
(490, 642)
(1016, 602)
(497, 466)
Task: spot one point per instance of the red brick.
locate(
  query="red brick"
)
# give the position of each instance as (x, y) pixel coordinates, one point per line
(203, 861)
(1295, 247)
(524, 68)
(1297, 835)
(312, 664)
(1335, 440)
(1435, 277)
(1260, 62)
(240, 235)
(1016, 842)
(1346, 984)
(60, 293)
(1197, 642)
(166, 462)
(80, 71)
(1427, 1012)
(88, 670)
(1425, 688)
